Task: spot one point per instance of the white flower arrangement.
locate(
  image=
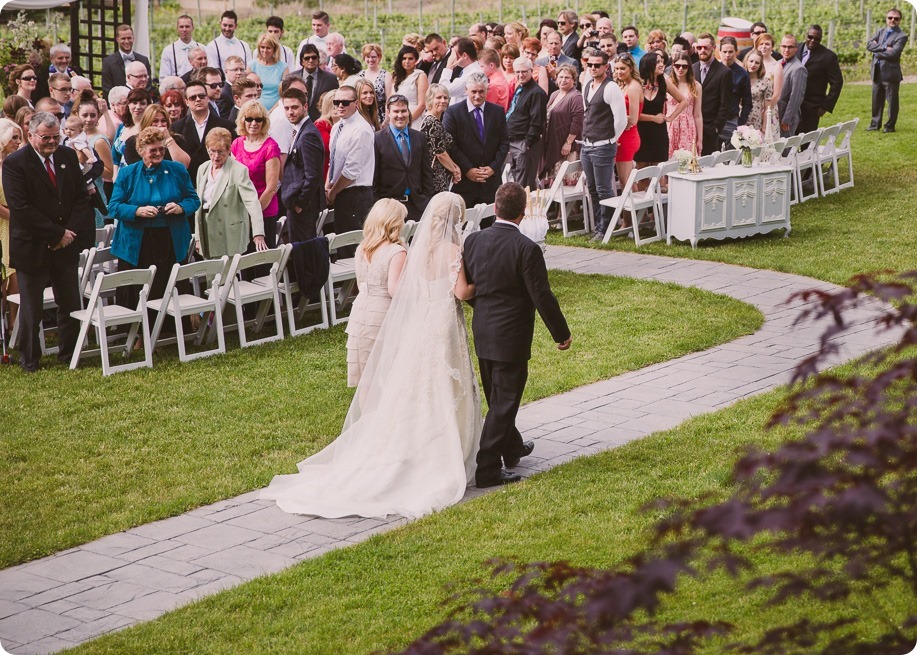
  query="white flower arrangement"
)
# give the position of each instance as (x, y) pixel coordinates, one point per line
(746, 137)
(682, 156)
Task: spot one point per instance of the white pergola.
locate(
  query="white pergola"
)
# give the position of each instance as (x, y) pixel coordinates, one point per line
(140, 17)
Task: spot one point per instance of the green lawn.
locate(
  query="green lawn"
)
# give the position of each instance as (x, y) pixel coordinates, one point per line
(865, 228)
(87, 456)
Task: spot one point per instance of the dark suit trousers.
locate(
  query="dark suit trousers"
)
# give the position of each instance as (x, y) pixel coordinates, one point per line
(503, 383)
(63, 281)
(351, 206)
(302, 226)
(882, 91)
(711, 142)
(808, 121)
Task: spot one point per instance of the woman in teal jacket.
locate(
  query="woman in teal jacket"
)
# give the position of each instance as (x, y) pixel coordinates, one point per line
(151, 202)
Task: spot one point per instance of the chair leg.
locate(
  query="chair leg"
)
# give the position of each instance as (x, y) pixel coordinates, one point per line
(180, 338)
(80, 344)
(157, 325)
(240, 319)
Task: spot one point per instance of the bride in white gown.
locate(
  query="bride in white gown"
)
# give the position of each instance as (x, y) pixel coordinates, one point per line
(411, 435)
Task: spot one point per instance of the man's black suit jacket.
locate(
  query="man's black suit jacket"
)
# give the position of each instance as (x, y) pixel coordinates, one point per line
(469, 152)
(434, 69)
(324, 82)
(511, 282)
(570, 46)
(113, 70)
(303, 183)
(40, 212)
(194, 146)
(393, 175)
(716, 103)
(824, 72)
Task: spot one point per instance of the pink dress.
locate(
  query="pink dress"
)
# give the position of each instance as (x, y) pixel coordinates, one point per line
(683, 130)
(256, 163)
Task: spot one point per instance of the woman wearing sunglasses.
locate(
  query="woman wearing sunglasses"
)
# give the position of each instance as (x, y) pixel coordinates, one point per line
(23, 81)
(261, 155)
(686, 131)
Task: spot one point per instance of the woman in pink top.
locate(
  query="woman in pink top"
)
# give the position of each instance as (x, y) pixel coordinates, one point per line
(261, 155)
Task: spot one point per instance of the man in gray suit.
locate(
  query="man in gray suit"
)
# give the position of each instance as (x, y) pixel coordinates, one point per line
(795, 77)
(886, 47)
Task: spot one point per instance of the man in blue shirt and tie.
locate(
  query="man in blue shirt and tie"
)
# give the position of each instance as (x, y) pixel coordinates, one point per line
(403, 161)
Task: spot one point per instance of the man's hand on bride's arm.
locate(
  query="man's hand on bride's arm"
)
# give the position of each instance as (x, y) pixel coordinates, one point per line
(566, 344)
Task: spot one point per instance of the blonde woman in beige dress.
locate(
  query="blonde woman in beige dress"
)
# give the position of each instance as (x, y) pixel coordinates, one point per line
(379, 262)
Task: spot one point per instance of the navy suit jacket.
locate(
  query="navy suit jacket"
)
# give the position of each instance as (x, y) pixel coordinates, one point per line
(393, 175)
(40, 212)
(511, 282)
(303, 183)
(468, 151)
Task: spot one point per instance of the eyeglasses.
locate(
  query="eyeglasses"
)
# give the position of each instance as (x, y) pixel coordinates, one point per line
(898, 18)
(341, 103)
(155, 151)
(254, 119)
(680, 66)
(215, 85)
(813, 37)
(595, 64)
(788, 47)
(28, 78)
(702, 47)
(141, 76)
(172, 105)
(63, 89)
(759, 32)
(197, 97)
(585, 26)
(561, 22)
(396, 98)
(50, 138)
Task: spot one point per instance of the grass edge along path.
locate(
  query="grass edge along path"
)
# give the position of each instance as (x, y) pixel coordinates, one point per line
(126, 450)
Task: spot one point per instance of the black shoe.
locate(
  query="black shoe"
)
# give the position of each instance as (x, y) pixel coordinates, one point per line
(887, 129)
(505, 477)
(513, 462)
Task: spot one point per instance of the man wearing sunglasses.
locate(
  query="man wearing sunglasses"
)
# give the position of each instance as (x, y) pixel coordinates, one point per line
(886, 47)
(823, 83)
(197, 123)
(757, 29)
(567, 22)
(795, 75)
(716, 99)
(51, 221)
(351, 168)
(318, 81)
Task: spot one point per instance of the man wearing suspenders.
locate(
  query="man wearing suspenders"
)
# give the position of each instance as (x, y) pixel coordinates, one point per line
(174, 61)
(227, 44)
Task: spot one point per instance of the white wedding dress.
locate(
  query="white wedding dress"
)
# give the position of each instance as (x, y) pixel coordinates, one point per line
(411, 435)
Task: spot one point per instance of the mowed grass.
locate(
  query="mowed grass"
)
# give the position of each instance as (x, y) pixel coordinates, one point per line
(382, 593)
(869, 227)
(85, 456)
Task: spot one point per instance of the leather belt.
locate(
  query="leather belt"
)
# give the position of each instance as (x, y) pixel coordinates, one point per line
(596, 144)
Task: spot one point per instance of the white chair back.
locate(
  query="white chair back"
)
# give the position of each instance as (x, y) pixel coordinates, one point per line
(565, 196)
(637, 203)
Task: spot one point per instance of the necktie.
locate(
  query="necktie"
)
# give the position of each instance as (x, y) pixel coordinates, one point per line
(403, 147)
(309, 82)
(885, 37)
(479, 119)
(703, 74)
(805, 55)
(512, 106)
(331, 149)
(293, 137)
(51, 174)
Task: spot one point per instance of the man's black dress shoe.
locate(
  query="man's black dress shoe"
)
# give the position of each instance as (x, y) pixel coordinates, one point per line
(513, 462)
(505, 477)
(872, 128)
(888, 129)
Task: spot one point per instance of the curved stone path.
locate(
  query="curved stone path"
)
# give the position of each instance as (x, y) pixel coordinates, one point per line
(137, 575)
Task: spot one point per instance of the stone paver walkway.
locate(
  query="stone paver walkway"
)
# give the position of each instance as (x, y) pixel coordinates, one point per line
(137, 575)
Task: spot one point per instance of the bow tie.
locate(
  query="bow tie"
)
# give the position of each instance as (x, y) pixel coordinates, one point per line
(128, 57)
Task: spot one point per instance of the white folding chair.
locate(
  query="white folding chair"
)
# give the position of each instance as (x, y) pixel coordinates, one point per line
(506, 177)
(324, 218)
(706, 161)
(726, 157)
(281, 230)
(826, 152)
(103, 235)
(472, 221)
(176, 304)
(407, 232)
(239, 292)
(102, 316)
(807, 160)
(484, 211)
(843, 152)
(788, 158)
(342, 271)
(665, 168)
(637, 203)
(565, 196)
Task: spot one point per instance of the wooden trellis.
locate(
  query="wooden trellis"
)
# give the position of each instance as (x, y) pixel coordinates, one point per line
(92, 32)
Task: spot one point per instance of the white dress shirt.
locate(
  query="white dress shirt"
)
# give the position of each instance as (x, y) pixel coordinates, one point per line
(457, 86)
(281, 129)
(352, 152)
(221, 48)
(174, 60)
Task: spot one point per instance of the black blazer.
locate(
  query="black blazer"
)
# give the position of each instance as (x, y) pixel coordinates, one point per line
(193, 145)
(324, 82)
(716, 100)
(469, 152)
(511, 282)
(824, 72)
(39, 212)
(392, 175)
(434, 69)
(113, 70)
(570, 46)
(303, 181)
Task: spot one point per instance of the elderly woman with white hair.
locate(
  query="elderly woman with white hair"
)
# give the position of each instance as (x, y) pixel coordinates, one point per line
(10, 142)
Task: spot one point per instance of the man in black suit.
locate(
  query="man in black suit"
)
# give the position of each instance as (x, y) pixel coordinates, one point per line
(511, 282)
(716, 100)
(303, 188)
(317, 81)
(195, 126)
(437, 53)
(824, 81)
(402, 155)
(113, 65)
(51, 221)
(567, 22)
(479, 142)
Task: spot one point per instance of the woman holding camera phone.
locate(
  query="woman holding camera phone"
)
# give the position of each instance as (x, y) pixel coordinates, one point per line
(151, 201)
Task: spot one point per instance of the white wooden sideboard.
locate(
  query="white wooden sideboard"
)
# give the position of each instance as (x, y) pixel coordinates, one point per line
(728, 202)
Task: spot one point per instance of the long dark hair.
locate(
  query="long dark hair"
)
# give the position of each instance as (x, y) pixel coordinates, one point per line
(136, 95)
(648, 64)
(398, 72)
(689, 73)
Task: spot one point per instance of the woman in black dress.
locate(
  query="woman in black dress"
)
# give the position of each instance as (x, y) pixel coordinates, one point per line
(445, 171)
(654, 135)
